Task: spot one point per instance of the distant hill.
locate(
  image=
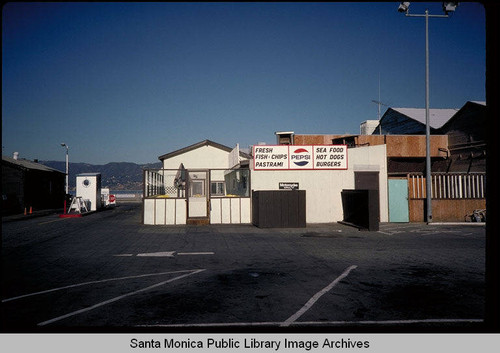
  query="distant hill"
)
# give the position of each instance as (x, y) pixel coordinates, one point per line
(115, 175)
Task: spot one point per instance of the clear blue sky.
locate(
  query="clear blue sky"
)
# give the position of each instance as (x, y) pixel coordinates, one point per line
(132, 81)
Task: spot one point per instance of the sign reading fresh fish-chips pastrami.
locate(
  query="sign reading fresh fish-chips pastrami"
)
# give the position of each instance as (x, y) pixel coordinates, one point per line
(270, 157)
(293, 157)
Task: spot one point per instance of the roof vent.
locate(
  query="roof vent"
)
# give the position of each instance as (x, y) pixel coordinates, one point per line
(284, 137)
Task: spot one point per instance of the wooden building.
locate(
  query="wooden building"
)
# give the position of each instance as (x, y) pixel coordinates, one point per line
(204, 183)
(466, 139)
(30, 185)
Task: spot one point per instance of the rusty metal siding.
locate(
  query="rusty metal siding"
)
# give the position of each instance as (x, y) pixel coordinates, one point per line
(313, 139)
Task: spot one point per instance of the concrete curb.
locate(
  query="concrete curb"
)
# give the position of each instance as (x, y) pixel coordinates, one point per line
(20, 217)
(457, 224)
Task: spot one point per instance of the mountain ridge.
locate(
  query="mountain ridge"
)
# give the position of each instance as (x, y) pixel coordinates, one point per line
(114, 175)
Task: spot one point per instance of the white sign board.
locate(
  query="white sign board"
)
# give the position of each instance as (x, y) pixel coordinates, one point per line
(330, 157)
(270, 157)
(294, 157)
(234, 157)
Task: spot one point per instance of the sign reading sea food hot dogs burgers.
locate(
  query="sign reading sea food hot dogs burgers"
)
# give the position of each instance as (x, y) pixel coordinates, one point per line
(293, 157)
(330, 157)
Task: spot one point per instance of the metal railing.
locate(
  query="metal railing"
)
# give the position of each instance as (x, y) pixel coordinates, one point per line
(154, 183)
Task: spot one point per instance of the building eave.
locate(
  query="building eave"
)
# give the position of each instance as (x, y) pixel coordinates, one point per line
(198, 145)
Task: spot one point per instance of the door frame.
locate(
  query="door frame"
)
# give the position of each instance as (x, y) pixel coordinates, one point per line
(206, 194)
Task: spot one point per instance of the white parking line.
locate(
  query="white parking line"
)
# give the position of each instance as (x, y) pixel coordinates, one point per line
(315, 298)
(216, 324)
(323, 323)
(391, 322)
(158, 254)
(166, 254)
(112, 300)
(93, 282)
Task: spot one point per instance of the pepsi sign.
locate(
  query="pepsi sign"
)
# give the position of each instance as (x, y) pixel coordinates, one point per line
(301, 157)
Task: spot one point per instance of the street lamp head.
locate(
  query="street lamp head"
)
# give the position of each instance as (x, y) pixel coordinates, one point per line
(449, 6)
(404, 7)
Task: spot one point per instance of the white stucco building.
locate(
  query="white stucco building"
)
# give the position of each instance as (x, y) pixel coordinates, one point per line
(208, 183)
(323, 187)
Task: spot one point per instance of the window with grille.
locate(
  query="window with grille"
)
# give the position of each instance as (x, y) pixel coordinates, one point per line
(217, 188)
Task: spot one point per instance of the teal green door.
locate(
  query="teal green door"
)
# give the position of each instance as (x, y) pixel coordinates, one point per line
(398, 200)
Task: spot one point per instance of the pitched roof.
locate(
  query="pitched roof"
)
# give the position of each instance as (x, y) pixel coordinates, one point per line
(88, 174)
(198, 145)
(437, 117)
(25, 164)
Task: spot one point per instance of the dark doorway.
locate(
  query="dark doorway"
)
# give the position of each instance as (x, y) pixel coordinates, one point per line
(370, 181)
(366, 180)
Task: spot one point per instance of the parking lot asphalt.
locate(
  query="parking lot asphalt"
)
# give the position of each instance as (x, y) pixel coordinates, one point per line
(108, 272)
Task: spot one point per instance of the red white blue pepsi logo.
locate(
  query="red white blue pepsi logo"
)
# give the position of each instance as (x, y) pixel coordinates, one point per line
(301, 157)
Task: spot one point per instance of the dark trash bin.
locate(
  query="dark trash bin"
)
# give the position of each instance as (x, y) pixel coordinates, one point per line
(361, 209)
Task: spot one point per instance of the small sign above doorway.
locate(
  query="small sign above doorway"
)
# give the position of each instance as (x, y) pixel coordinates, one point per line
(288, 185)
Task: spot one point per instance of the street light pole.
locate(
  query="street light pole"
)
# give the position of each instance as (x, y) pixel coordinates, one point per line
(67, 167)
(428, 176)
(405, 7)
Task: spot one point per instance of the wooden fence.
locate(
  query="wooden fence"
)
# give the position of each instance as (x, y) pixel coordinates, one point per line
(448, 186)
(454, 196)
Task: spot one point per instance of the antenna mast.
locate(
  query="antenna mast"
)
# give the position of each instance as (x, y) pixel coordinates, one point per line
(379, 103)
